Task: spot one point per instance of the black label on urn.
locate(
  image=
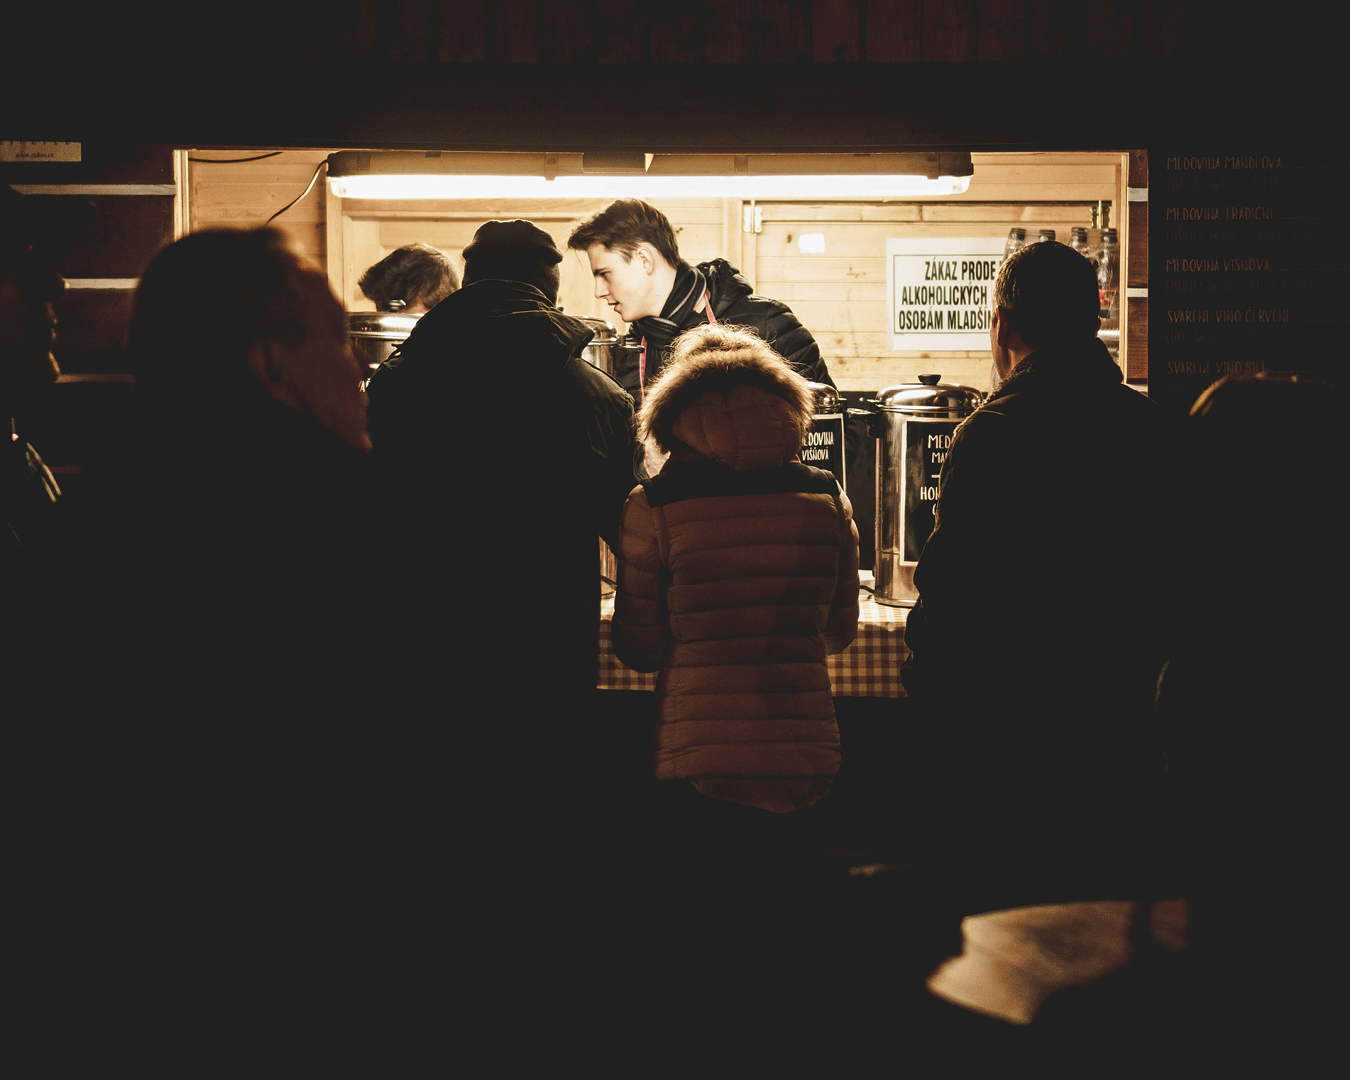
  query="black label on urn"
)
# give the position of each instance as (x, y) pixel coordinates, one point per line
(824, 446)
(926, 445)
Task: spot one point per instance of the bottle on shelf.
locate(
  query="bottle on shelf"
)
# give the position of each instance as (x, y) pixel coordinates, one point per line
(1046, 234)
(1017, 240)
(1079, 242)
(1108, 277)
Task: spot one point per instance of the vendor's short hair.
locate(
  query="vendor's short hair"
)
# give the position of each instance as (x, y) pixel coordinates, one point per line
(623, 225)
(410, 273)
(1050, 294)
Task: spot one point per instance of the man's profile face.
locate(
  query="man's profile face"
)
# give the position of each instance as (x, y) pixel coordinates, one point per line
(624, 284)
(28, 289)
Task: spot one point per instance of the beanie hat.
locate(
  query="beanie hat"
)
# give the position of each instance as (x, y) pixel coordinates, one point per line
(517, 251)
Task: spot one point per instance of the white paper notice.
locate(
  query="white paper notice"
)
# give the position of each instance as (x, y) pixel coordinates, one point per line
(939, 292)
(39, 151)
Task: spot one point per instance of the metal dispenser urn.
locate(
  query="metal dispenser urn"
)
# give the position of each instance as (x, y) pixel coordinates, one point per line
(824, 446)
(600, 353)
(375, 335)
(914, 426)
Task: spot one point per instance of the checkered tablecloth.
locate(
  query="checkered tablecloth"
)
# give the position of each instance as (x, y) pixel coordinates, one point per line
(870, 667)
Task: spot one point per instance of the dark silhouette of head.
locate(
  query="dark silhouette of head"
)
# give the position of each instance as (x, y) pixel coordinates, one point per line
(1049, 294)
(224, 317)
(515, 250)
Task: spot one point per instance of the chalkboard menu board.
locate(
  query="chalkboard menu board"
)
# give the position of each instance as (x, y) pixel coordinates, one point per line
(1249, 267)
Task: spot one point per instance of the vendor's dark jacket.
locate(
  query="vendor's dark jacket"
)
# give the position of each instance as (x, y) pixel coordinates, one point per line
(1039, 632)
(734, 302)
(497, 509)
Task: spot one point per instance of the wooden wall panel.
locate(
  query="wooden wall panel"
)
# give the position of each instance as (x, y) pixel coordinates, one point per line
(1048, 31)
(1110, 29)
(1000, 30)
(1136, 310)
(945, 33)
(567, 35)
(729, 34)
(462, 30)
(92, 321)
(893, 29)
(412, 41)
(840, 295)
(677, 33)
(836, 31)
(783, 27)
(76, 421)
(513, 32)
(619, 32)
(129, 231)
(244, 194)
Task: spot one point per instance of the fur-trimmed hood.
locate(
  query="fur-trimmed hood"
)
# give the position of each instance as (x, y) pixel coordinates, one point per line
(727, 396)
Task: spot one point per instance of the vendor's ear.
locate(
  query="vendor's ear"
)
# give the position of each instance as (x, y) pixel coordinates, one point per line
(647, 254)
(1003, 329)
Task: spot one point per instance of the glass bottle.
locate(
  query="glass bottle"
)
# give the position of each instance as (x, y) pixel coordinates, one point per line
(1078, 241)
(1017, 240)
(1046, 234)
(1108, 276)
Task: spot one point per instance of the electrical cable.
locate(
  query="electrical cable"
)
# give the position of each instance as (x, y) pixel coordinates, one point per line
(234, 161)
(307, 190)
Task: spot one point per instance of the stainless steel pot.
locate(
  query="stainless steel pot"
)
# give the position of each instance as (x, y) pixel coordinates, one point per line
(824, 446)
(915, 422)
(600, 352)
(376, 334)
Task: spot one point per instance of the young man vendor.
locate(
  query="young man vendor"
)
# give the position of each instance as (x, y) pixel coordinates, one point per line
(639, 273)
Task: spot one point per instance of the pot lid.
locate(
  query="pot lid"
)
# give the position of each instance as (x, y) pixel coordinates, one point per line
(929, 394)
(605, 334)
(389, 325)
(826, 396)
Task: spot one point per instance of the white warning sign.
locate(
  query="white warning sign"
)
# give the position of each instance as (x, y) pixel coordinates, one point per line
(940, 291)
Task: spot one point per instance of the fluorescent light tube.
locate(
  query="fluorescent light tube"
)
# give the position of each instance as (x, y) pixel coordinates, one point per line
(739, 186)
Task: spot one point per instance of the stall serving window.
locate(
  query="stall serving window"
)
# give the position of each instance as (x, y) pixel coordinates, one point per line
(826, 257)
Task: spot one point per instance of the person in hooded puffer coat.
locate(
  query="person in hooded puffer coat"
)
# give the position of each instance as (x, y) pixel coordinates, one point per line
(738, 574)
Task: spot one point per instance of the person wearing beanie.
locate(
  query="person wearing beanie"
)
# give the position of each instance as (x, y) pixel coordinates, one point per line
(514, 251)
(494, 515)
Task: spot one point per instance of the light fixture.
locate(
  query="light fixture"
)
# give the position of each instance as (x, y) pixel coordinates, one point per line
(406, 175)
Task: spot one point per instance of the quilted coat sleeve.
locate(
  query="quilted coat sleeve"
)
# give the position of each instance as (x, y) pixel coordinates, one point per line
(640, 628)
(795, 344)
(842, 625)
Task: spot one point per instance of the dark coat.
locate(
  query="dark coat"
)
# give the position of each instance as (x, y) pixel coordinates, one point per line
(1039, 633)
(226, 546)
(734, 302)
(30, 570)
(497, 515)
